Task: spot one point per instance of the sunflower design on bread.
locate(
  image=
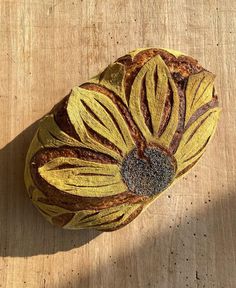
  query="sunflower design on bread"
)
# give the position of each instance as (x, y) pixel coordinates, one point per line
(111, 146)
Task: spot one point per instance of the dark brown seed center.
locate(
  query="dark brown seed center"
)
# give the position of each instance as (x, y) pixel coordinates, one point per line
(148, 175)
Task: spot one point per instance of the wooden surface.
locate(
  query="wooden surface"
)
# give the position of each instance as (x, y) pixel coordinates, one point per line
(185, 239)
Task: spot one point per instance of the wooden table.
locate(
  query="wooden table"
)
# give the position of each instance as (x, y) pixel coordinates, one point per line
(185, 239)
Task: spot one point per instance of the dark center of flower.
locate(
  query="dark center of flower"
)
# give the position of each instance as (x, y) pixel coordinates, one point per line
(150, 174)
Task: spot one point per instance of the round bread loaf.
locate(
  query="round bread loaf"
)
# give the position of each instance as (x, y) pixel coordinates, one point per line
(111, 146)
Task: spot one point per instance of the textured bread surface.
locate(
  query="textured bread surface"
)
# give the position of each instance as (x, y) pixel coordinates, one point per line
(111, 146)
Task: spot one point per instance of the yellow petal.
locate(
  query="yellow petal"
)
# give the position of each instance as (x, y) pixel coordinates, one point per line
(195, 138)
(198, 92)
(155, 89)
(47, 135)
(49, 211)
(90, 110)
(113, 79)
(50, 135)
(83, 178)
(104, 219)
(172, 125)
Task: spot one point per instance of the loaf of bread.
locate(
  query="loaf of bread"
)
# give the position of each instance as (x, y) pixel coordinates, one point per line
(111, 146)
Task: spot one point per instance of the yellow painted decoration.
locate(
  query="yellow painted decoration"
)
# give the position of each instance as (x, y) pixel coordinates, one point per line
(50, 135)
(102, 128)
(195, 139)
(51, 210)
(199, 92)
(113, 79)
(171, 127)
(104, 219)
(84, 178)
(82, 107)
(156, 93)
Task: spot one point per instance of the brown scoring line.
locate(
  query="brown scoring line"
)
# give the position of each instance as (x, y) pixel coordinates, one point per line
(62, 119)
(101, 139)
(201, 110)
(188, 167)
(144, 105)
(167, 111)
(181, 120)
(90, 111)
(113, 119)
(199, 151)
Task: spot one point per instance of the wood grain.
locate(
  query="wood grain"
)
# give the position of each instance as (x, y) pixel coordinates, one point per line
(185, 239)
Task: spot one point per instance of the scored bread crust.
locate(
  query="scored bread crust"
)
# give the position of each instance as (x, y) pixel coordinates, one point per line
(180, 68)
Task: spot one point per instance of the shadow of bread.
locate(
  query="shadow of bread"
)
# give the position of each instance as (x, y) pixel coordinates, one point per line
(24, 231)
